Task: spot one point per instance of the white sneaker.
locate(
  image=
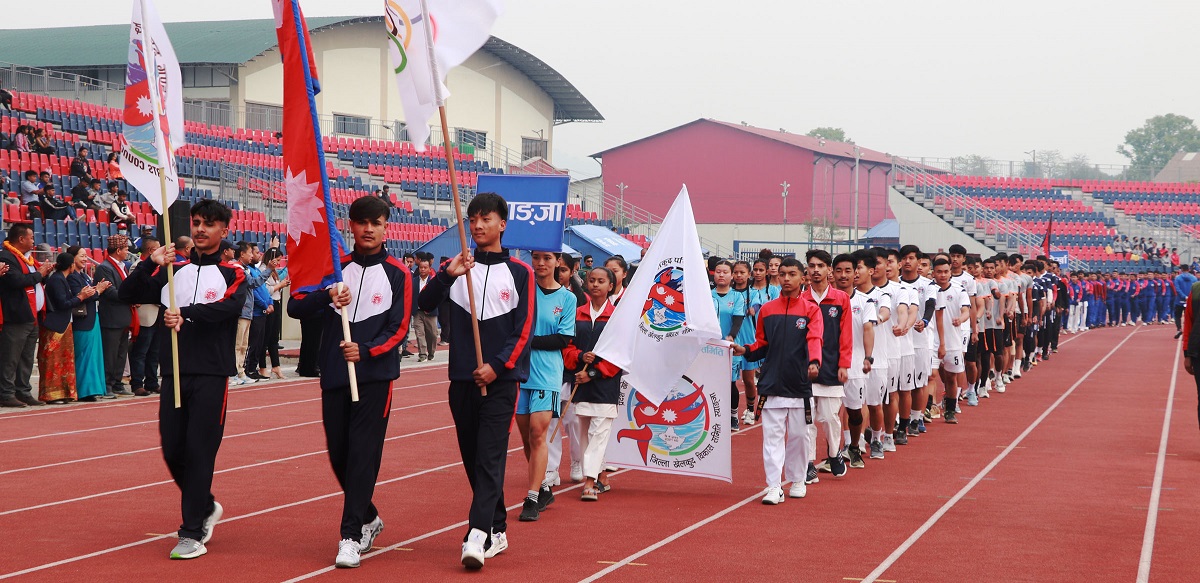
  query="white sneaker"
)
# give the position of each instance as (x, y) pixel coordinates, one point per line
(347, 557)
(551, 479)
(798, 490)
(773, 496)
(211, 522)
(370, 530)
(889, 443)
(472, 549)
(609, 468)
(576, 471)
(499, 545)
(748, 417)
(999, 387)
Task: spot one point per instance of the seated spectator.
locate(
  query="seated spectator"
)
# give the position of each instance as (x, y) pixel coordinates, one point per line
(41, 143)
(114, 167)
(83, 196)
(386, 195)
(31, 194)
(55, 207)
(6, 99)
(118, 211)
(23, 141)
(79, 166)
(106, 198)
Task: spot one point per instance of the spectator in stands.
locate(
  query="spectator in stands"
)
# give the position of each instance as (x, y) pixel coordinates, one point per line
(105, 199)
(89, 345)
(79, 165)
(386, 195)
(147, 231)
(22, 300)
(143, 350)
(1175, 257)
(115, 315)
(41, 143)
(410, 262)
(263, 307)
(83, 196)
(31, 194)
(585, 268)
(55, 207)
(23, 141)
(277, 282)
(56, 343)
(118, 211)
(114, 167)
(6, 99)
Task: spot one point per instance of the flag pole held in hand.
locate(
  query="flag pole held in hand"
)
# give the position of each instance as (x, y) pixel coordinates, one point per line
(341, 286)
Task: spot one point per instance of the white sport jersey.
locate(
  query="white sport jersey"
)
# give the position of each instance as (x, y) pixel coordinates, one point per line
(862, 309)
(886, 345)
(906, 295)
(951, 300)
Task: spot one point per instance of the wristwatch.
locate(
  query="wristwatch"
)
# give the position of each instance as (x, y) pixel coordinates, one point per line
(592, 373)
(871, 359)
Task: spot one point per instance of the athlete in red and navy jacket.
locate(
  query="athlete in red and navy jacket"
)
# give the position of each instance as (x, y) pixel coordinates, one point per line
(790, 336)
(838, 336)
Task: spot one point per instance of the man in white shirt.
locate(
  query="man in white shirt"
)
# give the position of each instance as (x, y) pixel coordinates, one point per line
(900, 371)
(924, 299)
(953, 307)
(848, 272)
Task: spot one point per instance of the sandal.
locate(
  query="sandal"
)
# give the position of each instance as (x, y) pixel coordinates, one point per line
(590, 495)
(602, 487)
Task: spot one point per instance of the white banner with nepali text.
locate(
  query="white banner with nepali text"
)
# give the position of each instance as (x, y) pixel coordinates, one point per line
(688, 433)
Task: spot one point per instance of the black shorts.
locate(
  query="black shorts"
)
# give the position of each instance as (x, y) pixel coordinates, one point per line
(972, 354)
(995, 340)
(1010, 332)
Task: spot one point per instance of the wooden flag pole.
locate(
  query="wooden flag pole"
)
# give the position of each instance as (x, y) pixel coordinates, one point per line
(162, 181)
(346, 335)
(462, 237)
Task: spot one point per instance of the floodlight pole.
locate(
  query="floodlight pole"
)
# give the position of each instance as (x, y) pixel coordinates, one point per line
(785, 186)
(857, 157)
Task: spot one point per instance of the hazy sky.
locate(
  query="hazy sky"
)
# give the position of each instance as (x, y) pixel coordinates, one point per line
(919, 78)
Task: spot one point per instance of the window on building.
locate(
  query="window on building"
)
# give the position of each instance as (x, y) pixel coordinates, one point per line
(471, 137)
(260, 116)
(534, 148)
(349, 124)
(207, 76)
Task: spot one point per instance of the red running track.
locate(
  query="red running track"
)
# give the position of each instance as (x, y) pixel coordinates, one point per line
(1052, 481)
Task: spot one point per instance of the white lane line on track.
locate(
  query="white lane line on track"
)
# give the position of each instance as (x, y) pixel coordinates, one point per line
(924, 528)
(1143, 574)
(221, 471)
(226, 438)
(109, 550)
(287, 384)
(135, 423)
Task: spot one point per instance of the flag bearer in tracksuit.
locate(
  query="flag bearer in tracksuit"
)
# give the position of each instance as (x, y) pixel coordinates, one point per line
(789, 337)
(377, 295)
(504, 297)
(209, 295)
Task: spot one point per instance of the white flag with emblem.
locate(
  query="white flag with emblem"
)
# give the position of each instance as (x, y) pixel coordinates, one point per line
(666, 316)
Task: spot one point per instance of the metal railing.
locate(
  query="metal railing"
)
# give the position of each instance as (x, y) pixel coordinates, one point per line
(593, 198)
(959, 205)
(1051, 170)
(60, 84)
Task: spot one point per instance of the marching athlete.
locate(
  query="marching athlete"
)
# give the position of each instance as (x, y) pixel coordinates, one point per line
(837, 340)
(848, 270)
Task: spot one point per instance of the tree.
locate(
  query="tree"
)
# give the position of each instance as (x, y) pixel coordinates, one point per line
(831, 134)
(1151, 146)
(973, 165)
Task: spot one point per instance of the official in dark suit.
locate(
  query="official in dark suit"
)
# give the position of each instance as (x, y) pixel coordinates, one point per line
(116, 316)
(21, 299)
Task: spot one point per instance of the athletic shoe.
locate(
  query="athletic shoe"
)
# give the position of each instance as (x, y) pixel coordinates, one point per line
(472, 549)
(1178, 334)
(982, 392)
(928, 414)
(837, 466)
(951, 418)
(188, 548)
(913, 428)
(499, 545)
(551, 479)
(545, 498)
(999, 386)
(972, 399)
(610, 468)
(876, 450)
(855, 456)
(900, 437)
(576, 472)
(773, 496)
(822, 466)
(811, 476)
(748, 417)
(936, 413)
(733, 424)
(844, 453)
(921, 425)
(211, 522)
(889, 443)
(348, 556)
(370, 530)
(422, 358)
(529, 510)
(797, 491)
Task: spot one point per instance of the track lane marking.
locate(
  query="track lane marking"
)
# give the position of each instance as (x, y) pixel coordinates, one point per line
(1143, 574)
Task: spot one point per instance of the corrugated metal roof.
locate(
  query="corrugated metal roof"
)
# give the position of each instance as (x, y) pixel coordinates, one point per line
(237, 41)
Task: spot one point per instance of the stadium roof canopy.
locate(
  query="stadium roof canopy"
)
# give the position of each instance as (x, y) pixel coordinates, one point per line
(234, 42)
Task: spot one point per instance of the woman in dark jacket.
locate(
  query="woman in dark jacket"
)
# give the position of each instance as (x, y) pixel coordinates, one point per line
(56, 344)
(89, 351)
(599, 381)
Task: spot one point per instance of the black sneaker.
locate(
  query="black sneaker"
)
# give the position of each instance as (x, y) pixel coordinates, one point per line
(1177, 335)
(811, 476)
(545, 498)
(900, 437)
(950, 416)
(529, 511)
(913, 429)
(856, 459)
(837, 466)
(733, 424)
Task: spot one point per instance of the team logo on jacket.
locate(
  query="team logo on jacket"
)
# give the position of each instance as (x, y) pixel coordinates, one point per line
(210, 295)
(801, 323)
(674, 432)
(833, 311)
(377, 298)
(505, 295)
(557, 310)
(663, 310)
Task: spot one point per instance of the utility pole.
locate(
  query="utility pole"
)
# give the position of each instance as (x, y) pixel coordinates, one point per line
(621, 210)
(857, 157)
(785, 186)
